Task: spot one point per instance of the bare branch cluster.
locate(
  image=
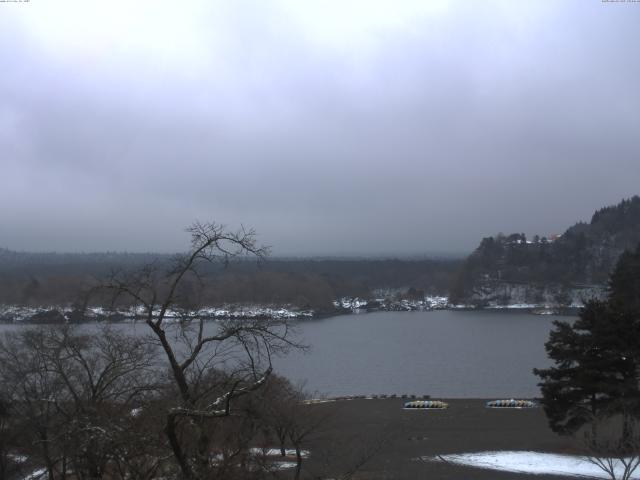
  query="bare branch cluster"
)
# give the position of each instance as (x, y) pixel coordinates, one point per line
(613, 444)
(68, 395)
(243, 349)
(193, 399)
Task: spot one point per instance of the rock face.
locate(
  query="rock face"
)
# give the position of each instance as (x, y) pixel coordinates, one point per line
(488, 293)
(561, 270)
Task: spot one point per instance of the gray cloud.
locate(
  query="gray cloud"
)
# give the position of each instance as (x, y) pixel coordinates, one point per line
(364, 131)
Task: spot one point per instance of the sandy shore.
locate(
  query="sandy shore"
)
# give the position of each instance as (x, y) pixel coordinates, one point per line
(400, 437)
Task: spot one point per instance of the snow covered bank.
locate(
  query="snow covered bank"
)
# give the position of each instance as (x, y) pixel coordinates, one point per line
(58, 314)
(537, 463)
(492, 293)
(388, 303)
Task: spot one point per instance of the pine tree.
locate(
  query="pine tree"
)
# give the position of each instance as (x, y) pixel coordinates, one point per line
(624, 283)
(597, 357)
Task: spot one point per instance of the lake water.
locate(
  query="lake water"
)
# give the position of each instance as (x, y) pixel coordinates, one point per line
(443, 353)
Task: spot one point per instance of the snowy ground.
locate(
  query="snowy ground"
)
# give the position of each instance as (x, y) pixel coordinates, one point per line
(19, 313)
(275, 452)
(528, 462)
(389, 303)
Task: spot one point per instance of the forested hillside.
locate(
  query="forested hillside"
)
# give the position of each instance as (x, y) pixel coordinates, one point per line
(513, 268)
(39, 279)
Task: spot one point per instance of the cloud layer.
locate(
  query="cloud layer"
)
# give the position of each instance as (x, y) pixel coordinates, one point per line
(332, 127)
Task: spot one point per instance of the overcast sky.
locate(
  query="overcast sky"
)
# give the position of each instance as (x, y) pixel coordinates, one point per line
(332, 127)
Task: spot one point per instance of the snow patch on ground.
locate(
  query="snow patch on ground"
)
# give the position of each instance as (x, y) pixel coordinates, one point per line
(387, 302)
(36, 474)
(283, 465)
(515, 306)
(275, 452)
(537, 463)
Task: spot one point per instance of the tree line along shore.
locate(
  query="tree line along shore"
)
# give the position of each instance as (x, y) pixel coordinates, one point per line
(556, 271)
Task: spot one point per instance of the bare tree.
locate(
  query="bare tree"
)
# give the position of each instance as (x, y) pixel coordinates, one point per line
(613, 444)
(193, 349)
(9, 462)
(71, 394)
(287, 420)
(312, 433)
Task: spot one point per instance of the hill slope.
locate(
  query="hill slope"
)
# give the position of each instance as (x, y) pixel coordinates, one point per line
(513, 269)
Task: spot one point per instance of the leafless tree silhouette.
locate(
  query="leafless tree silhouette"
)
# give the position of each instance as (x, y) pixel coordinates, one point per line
(197, 351)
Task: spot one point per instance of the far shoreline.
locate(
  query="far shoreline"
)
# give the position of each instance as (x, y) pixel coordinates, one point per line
(55, 314)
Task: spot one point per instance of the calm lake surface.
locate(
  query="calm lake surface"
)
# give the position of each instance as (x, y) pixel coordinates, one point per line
(444, 353)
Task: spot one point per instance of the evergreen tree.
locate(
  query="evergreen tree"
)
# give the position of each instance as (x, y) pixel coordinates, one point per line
(597, 357)
(624, 284)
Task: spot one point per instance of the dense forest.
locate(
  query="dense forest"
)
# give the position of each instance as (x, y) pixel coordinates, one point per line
(580, 258)
(40, 279)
